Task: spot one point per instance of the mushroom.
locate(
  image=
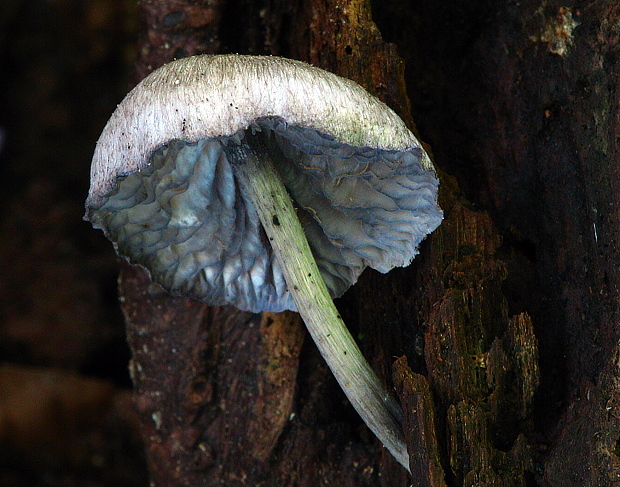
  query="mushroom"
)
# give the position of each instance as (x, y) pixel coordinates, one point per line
(267, 184)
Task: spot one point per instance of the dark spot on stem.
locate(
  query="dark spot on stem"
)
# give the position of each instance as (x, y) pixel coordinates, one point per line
(275, 220)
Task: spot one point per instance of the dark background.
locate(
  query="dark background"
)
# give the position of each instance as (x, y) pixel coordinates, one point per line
(66, 416)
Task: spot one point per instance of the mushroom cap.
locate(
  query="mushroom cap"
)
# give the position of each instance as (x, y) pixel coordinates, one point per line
(206, 96)
(163, 190)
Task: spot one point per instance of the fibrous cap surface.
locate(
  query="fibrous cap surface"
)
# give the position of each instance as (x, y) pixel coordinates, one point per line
(210, 96)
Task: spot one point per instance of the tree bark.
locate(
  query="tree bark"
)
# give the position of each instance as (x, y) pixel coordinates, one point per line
(519, 101)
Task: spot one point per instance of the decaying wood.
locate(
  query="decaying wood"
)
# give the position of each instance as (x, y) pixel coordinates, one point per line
(282, 335)
(419, 410)
(173, 29)
(520, 102)
(482, 364)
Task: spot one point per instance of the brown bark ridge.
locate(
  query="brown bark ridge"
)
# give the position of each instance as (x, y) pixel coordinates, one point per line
(214, 386)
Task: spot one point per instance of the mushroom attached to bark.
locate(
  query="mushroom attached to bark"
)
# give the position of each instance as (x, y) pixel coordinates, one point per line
(267, 184)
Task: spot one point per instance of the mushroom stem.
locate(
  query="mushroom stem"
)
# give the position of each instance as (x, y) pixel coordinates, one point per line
(260, 180)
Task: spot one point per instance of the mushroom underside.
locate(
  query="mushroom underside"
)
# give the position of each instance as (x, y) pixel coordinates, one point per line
(185, 218)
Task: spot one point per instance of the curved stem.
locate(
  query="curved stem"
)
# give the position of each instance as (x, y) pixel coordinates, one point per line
(258, 177)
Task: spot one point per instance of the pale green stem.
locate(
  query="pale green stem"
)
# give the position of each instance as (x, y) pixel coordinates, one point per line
(259, 179)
